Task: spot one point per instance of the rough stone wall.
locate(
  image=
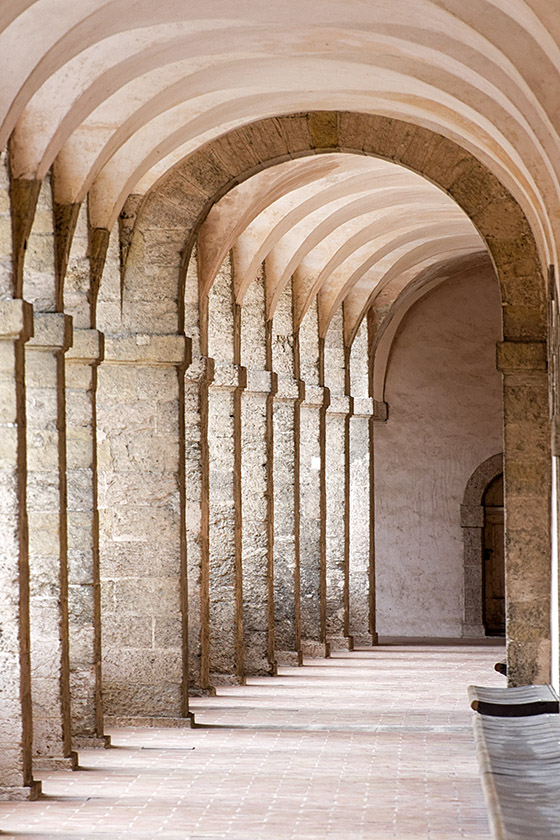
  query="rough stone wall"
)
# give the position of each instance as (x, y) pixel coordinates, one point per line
(445, 418)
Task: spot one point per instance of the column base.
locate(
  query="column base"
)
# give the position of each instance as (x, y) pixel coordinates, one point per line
(289, 658)
(141, 722)
(19, 794)
(314, 649)
(341, 643)
(209, 691)
(91, 742)
(56, 762)
(226, 679)
(260, 668)
(370, 640)
(473, 631)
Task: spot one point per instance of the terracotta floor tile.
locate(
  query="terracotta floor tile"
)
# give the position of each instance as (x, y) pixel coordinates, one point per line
(374, 744)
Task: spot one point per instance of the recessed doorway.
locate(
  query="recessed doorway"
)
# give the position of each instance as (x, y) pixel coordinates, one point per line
(493, 566)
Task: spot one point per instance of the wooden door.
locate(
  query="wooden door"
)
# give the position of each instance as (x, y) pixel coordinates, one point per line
(494, 565)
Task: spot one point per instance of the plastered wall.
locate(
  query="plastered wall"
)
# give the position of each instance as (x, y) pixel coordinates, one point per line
(445, 417)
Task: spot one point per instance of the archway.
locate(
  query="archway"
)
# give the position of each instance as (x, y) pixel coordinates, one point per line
(472, 524)
(171, 216)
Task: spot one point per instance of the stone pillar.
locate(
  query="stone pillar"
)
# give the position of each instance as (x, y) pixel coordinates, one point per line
(198, 376)
(48, 559)
(140, 411)
(380, 415)
(555, 523)
(258, 522)
(361, 579)
(336, 520)
(84, 607)
(312, 513)
(527, 490)
(16, 779)
(225, 518)
(286, 521)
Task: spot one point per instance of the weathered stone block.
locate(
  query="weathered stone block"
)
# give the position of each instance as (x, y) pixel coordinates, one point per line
(16, 319)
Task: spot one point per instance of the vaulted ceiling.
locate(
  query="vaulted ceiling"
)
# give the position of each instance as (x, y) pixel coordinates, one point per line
(113, 93)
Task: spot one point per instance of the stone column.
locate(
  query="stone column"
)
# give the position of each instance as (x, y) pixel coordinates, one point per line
(198, 377)
(361, 579)
(225, 518)
(140, 411)
(312, 513)
(48, 557)
(16, 779)
(336, 521)
(258, 522)
(527, 490)
(555, 523)
(84, 607)
(286, 521)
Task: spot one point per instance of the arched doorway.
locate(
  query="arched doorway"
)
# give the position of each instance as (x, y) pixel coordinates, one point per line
(483, 487)
(493, 565)
(230, 160)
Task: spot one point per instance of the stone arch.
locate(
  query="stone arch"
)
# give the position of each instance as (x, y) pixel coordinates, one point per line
(178, 204)
(165, 234)
(472, 525)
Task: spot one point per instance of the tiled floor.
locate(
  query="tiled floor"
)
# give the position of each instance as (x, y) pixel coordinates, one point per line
(372, 744)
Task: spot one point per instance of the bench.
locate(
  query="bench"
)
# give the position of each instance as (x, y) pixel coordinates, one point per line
(519, 760)
(514, 702)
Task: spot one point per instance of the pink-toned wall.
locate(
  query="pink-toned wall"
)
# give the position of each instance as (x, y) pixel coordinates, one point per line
(445, 418)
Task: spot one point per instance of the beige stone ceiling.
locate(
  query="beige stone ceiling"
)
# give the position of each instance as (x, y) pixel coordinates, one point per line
(343, 227)
(113, 93)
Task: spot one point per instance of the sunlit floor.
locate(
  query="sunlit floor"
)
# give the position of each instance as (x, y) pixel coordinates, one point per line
(371, 744)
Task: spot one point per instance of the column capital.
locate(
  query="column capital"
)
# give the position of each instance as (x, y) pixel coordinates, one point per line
(16, 319)
(290, 389)
(148, 350)
(200, 369)
(339, 405)
(363, 407)
(316, 396)
(51, 331)
(380, 411)
(261, 381)
(87, 347)
(521, 356)
(229, 377)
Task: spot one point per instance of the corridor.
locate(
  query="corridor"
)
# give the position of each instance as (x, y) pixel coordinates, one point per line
(374, 744)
